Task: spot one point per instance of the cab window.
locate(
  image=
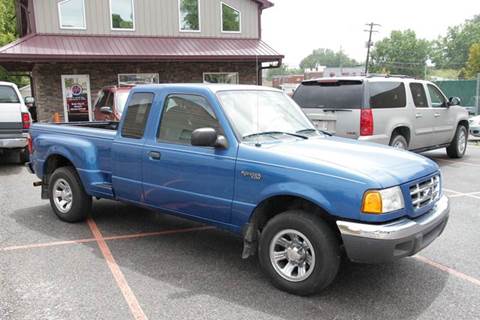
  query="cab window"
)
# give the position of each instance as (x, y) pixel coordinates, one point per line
(137, 115)
(184, 114)
(437, 98)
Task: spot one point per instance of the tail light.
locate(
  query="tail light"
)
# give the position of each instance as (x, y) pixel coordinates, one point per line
(26, 120)
(30, 144)
(366, 122)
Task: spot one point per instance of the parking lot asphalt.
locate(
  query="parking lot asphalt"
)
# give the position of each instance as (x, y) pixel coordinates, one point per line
(130, 263)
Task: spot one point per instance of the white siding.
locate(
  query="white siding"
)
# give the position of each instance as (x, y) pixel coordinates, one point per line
(152, 18)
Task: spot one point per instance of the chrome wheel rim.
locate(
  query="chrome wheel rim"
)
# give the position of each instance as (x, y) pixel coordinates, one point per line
(292, 255)
(462, 141)
(62, 195)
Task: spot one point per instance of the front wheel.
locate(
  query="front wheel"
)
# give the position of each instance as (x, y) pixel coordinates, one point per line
(457, 148)
(68, 199)
(299, 252)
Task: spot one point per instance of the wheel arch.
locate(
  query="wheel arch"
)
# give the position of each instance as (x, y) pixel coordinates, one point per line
(404, 130)
(276, 204)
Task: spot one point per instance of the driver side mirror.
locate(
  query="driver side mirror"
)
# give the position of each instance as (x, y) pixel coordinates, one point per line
(208, 137)
(106, 110)
(454, 101)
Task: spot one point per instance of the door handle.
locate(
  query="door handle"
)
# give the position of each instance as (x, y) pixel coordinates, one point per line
(418, 115)
(437, 115)
(154, 155)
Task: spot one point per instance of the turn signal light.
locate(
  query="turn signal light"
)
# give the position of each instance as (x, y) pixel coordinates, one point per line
(372, 202)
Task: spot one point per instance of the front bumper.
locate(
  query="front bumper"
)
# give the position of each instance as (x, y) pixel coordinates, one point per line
(376, 243)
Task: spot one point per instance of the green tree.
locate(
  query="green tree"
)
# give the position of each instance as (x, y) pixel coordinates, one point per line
(327, 57)
(8, 33)
(401, 53)
(473, 64)
(282, 70)
(189, 11)
(452, 50)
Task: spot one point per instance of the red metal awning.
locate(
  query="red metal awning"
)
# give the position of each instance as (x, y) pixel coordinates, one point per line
(63, 48)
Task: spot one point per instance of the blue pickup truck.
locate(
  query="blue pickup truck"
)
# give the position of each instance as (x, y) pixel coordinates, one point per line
(247, 160)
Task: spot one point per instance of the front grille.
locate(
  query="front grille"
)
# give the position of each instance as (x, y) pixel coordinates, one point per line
(425, 192)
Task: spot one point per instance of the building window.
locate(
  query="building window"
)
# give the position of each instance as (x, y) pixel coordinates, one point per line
(231, 19)
(220, 77)
(71, 14)
(137, 78)
(122, 14)
(189, 14)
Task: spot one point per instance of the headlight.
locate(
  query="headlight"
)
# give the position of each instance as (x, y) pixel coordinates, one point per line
(383, 201)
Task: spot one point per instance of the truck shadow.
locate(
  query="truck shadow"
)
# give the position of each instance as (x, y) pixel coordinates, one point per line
(207, 264)
(9, 165)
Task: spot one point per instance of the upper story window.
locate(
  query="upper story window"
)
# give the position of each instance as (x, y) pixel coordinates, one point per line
(72, 14)
(189, 15)
(231, 19)
(122, 14)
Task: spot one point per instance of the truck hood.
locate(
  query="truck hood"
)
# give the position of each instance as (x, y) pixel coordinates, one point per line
(382, 164)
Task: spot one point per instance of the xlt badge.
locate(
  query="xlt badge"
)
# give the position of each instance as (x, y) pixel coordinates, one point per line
(252, 175)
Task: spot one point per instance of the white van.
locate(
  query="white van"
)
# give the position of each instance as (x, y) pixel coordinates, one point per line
(15, 122)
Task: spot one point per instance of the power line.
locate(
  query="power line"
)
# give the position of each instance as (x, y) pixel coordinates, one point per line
(369, 43)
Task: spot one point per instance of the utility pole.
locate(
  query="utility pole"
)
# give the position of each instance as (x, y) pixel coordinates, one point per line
(371, 25)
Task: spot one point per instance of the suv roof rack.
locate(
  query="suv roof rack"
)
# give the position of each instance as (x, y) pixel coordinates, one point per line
(372, 75)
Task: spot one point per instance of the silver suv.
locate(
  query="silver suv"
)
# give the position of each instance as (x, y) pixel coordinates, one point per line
(398, 111)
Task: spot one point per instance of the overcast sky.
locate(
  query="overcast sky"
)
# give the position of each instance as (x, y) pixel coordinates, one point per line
(296, 27)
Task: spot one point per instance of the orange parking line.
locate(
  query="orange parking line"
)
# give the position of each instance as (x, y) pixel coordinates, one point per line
(449, 270)
(47, 244)
(128, 236)
(118, 275)
(157, 233)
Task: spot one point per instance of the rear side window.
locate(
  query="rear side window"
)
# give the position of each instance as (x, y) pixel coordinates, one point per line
(137, 115)
(385, 95)
(419, 96)
(336, 94)
(8, 95)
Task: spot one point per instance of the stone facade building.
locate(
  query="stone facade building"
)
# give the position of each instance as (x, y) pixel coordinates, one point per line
(73, 48)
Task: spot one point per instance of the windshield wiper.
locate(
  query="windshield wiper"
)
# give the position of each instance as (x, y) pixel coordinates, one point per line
(274, 132)
(314, 130)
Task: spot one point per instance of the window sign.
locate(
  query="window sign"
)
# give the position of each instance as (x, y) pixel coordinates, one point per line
(221, 77)
(122, 14)
(189, 14)
(231, 19)
(76, 97)
(71, 14)
(137, 78)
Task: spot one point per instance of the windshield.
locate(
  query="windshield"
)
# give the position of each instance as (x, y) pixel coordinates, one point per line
(255, 112)
(121, 101)
(8, 95)
(336, 94)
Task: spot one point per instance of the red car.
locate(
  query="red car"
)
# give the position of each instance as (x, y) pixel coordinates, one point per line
(110, 103)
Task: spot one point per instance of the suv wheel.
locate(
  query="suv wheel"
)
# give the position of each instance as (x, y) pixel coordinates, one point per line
(299, 252)
(399, 142)
(457, 148)
(68, 199)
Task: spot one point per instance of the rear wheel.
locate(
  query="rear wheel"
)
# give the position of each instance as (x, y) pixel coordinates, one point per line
(457, 148)
(68, 199)
(24, 156)
(299, 252)
(398, 141)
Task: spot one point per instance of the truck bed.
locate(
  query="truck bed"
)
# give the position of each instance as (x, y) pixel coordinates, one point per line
(87, 144)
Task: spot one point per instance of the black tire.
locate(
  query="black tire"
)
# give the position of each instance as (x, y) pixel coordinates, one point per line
(457, 147)
(325, 246)
(81, 202)
(397, 140)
